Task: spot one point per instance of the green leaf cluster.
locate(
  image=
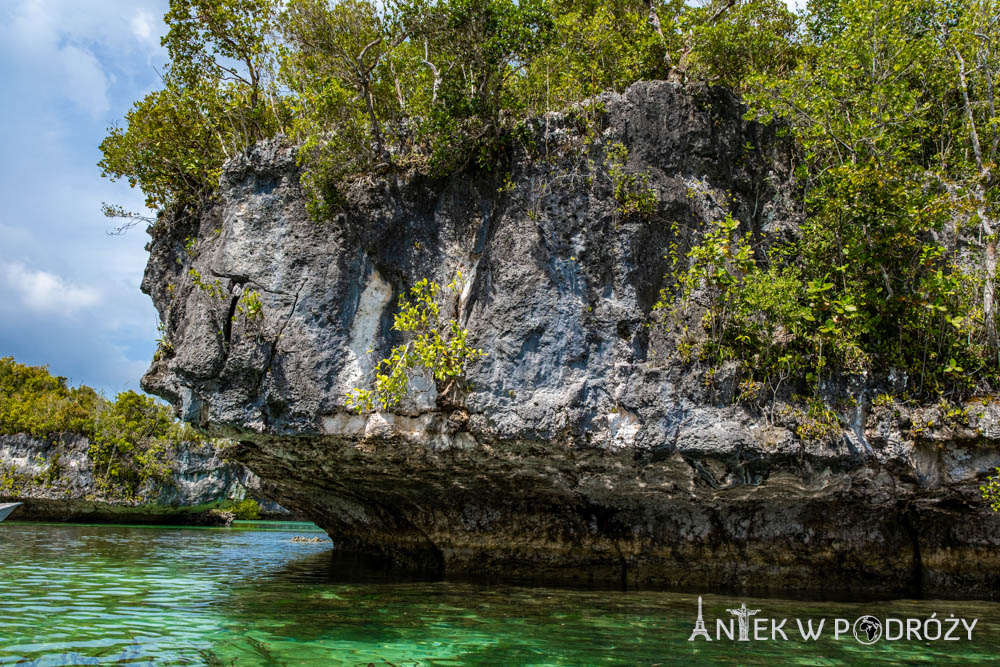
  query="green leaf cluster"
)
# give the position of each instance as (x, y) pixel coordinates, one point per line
(991, 491)
(891, 109)
(218, 99)
(131, 438)
(440, 347)
(34, 402)
(754, 37)
(632, 191)
(247, 509)
(250, 306)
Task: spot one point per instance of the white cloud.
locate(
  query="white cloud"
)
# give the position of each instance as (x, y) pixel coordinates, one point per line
(142, 25)
(62, 47)
(42, 291)
(69, 294)
(87, 83)
(39, 43)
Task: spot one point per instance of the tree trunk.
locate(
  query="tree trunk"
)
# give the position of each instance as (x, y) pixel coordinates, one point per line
(989, 301)
(376, 130)
(989, 231)
(654, 19)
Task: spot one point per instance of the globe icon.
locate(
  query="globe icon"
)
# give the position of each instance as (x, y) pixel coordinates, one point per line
(867, 629)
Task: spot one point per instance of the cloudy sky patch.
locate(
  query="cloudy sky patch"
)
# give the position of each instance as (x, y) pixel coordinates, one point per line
(46, 292)
(69, 293)
(142, 26)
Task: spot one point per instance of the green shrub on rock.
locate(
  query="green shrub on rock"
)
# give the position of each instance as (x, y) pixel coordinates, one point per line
(130, 444)
(247, 509)
(35, 402)
(439, 347)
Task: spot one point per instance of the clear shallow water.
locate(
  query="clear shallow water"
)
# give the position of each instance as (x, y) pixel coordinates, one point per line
(251, 596)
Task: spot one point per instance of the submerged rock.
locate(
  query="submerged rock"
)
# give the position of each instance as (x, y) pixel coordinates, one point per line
(580, 449)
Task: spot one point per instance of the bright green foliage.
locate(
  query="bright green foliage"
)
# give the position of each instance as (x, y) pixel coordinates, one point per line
(432, 85)
(366, 86)
(34, 402)
(596, 47)
(796, 320)
(892, 110)
(475, 49)
(213, 289)
(169, 147)
(991, 491)
(250, 306)
(218, 99)
(409, 84)
(755, 37)
(819, 423)
(860, 94)
(14, 481)
(440, 347)
(716, 271)
(224, 40)
(163, 344)
(247, 509)
(338, 68)
(130, 438)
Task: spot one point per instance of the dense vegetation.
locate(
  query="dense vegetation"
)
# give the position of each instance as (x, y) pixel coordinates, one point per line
(407, 84)
(130, 437)
(891, 106)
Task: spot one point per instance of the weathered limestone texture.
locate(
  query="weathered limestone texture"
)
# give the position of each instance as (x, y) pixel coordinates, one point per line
(583, 449)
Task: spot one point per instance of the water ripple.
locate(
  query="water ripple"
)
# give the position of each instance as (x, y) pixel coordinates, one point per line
(172, 596)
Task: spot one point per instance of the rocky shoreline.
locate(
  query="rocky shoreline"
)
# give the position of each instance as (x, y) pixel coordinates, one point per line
(54, 479)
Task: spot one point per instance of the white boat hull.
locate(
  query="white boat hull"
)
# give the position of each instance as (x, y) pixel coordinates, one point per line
(7, 508)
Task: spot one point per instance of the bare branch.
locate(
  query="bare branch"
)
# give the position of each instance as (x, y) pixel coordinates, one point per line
(654, 20)
(131, 218)
(434, 72)
(364, 52)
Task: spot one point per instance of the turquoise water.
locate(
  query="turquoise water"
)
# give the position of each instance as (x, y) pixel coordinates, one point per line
(250, 596)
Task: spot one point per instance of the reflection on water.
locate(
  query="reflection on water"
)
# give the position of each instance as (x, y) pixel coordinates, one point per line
(251, 596)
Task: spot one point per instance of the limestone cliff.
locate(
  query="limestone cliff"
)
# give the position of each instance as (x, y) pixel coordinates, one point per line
(581, 448)
(54, 479)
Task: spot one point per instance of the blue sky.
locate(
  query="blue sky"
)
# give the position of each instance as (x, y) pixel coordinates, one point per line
(69, 293)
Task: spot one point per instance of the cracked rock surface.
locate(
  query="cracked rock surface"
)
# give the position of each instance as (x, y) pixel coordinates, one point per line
(582, 449)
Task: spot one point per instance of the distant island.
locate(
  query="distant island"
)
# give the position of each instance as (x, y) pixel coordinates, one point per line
(69, 454)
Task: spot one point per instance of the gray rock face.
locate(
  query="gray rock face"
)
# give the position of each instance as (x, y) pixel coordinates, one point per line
(55, 481)
(581, 449)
